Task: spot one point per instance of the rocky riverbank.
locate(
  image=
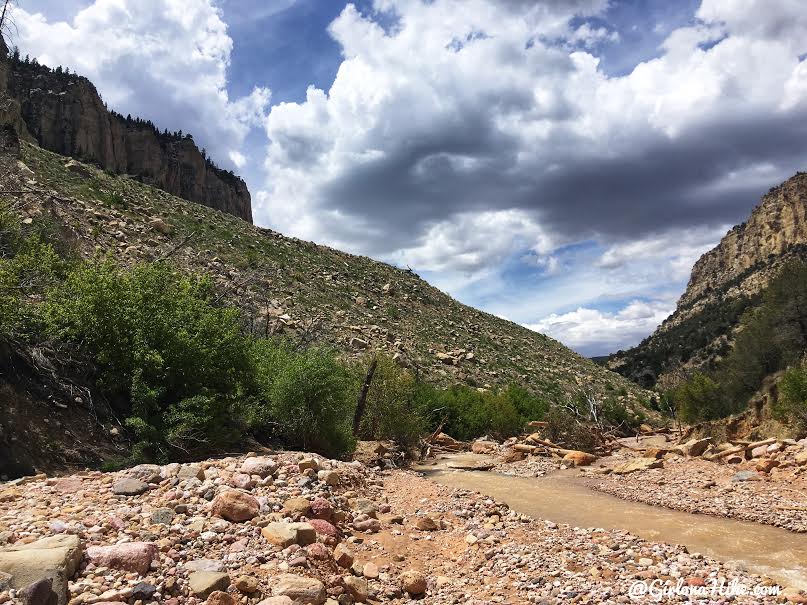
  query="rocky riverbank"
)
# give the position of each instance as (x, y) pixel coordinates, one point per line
(289, 528)
(769, 488)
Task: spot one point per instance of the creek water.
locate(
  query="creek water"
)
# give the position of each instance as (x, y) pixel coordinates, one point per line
(562, 497)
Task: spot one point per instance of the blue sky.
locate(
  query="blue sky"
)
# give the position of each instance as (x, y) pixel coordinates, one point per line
(561, 163)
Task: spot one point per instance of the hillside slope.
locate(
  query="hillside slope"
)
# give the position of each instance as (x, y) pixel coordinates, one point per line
(311, 292)
(725, 282)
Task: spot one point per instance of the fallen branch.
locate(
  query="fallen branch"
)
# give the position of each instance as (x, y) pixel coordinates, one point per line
(739, 449)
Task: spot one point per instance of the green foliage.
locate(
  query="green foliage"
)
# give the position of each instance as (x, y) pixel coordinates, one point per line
(470, 413)
(161, 345)
(699, 399)
(792, 403)
(771, 337)
(309, 394)
(28, 267)
(392, 409)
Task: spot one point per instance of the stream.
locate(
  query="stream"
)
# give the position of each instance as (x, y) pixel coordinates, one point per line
(562, 497)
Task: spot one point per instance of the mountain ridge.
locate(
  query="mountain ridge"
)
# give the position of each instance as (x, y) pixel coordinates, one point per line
(64, 113)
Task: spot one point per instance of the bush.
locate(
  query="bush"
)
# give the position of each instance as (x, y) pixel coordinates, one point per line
(563, 429)
(164, 351)
(28, 267)
(309, 395)
(792, 403)
(699, 398)
(392, 410)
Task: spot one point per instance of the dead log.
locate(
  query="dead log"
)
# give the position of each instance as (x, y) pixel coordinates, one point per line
(739, 449)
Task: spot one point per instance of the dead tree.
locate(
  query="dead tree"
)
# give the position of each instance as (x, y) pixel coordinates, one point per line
(361, 404)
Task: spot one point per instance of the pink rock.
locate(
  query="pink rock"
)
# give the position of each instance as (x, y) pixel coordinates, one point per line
(318, 551)
(323, 528)
(368, 525)
(130, 556)
(321, 509)
(242, 481)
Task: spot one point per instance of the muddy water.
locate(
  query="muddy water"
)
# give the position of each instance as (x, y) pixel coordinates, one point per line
(562, 498)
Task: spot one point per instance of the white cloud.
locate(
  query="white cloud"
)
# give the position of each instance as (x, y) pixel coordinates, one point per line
(594, 332)
(164, 60)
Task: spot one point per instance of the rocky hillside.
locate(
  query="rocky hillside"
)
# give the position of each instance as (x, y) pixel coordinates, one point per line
(725, 282)
(311, 292)
(64, 113)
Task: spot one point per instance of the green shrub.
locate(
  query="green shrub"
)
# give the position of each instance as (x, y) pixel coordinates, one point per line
(309, 395)
(791, 405)
(699, 398)
(165, 352)
(392, 410)
(29, 269)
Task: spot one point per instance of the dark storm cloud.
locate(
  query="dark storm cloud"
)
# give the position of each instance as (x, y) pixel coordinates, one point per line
(662, 184)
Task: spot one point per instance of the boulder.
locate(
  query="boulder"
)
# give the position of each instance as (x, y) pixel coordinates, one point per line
(696, 447)
(246, 584)
(286, 534)
(637, 464)
(129, 556)
(343, 556)
(129, 487)
(356, 588)
(331, 478)
(277, 601)
(300, 590)
(324, 528)
(745, 476)
(219, 597)
(149, 473)
(766, 465)
(321, 509)
(801, 458)
(191, 471)
(204, 583)
(297, 506)
(413, 582)
(259, 465)
(580, 458)
(482, 446)
(308, 463)
(426, 524)
(55, 558)
(235, 506)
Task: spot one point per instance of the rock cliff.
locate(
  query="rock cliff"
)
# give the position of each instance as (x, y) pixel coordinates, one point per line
(64, 113)
(725, 282)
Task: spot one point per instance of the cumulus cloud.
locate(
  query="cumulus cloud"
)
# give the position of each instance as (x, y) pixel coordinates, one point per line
(474, 106)
(593, 332)
(164, 60)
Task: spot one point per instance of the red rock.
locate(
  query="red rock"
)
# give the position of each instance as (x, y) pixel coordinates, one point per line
(130, 556)
(323, 528)
(318, 551)
(235, 506)
(695, 581)
(321, 509)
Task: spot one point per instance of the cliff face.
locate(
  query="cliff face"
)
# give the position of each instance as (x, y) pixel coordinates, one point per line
(725, 282)
(776, 228)
(65, 114)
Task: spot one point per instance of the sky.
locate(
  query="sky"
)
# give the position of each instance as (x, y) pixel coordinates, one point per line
(559, 163)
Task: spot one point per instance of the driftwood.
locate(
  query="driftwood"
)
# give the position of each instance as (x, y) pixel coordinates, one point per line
(739, 449)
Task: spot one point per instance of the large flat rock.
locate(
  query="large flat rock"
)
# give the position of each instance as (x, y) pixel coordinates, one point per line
(55, 558)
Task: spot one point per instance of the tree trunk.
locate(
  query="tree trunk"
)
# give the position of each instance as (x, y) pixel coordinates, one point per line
(361, 404)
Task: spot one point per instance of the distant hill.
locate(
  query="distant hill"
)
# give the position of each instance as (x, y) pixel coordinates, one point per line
(725, 282)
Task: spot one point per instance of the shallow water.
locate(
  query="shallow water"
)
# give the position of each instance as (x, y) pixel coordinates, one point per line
(562, 498)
